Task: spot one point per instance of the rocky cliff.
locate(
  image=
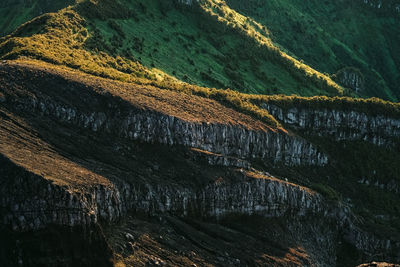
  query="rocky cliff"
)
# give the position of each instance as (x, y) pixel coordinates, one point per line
(350, 78)
(30, 202)
(339, 124)
(122, 118)
(80, 151)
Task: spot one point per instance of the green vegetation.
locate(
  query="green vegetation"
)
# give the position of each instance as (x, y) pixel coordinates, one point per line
(325, 190)
(13, 13)
(246, 46)
(331, 35)
(254, 50)
(196, 45)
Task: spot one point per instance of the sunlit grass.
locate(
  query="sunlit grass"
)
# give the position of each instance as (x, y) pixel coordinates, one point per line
(95, 37)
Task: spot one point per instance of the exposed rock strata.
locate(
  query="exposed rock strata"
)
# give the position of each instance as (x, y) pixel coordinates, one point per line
(30, 202)
(150, 126)
(339, 124)
(372, 246)
(351, 78)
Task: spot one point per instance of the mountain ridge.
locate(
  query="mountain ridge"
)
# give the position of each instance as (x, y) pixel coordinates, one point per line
(209, 72)
(171, 133)
(107, 178)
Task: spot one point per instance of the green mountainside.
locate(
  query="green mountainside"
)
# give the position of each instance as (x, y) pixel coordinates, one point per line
(263, 47)
(131, 104)
(201, 45)
(332, 35)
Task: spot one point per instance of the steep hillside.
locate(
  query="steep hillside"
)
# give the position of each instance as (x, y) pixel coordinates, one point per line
(225, 44)
(194, 43)
(160, 175)
(199, 133)
(358, 37)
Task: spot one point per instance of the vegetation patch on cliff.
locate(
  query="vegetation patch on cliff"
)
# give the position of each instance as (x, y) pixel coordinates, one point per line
(370, 106)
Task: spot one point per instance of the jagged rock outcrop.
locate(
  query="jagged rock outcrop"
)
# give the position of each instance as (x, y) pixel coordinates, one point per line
(339, 124)
(351, 78)
(373, 246)
(156, 127)
(30, 202)
(140, 123)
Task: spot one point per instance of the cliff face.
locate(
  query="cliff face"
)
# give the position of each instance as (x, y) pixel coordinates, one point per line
(339, 124)
(149, 126)
(93, 160)
(32, 197)
(142, 123)
(351, 78)
(29, 202)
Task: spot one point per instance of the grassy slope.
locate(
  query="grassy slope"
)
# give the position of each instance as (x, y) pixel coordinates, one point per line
(331, 35)
(215, 46)
(370, 106)
(197, 45)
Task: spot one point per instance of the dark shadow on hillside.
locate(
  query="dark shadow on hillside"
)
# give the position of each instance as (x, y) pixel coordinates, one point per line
(120, 159)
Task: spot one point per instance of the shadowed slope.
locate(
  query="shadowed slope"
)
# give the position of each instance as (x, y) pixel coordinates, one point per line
(13, 13)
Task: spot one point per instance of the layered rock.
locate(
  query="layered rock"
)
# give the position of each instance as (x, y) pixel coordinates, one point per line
(372, 246)
(339, 124)
(30, 202)
(150, 126)
(351, 78)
